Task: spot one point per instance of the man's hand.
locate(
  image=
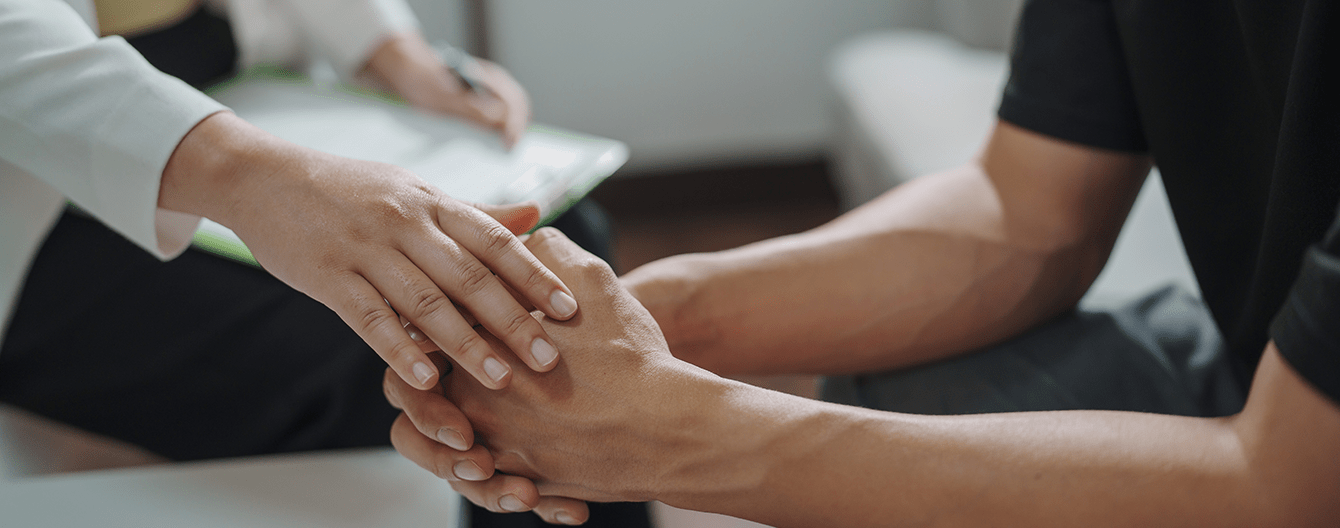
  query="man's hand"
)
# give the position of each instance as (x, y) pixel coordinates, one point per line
(375, 243)
(589, 429)
(411, 68)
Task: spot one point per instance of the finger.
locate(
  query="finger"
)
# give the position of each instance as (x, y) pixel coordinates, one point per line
(497, 248)
(501, 493)
(420, 338)
(427, 345)
(474, 465)
(422, 302)
(476, 288)
(365, 310)
(517, 218)
(485, 110)
(433, 415)
(556, 251)
(514, 98)
(562, 510)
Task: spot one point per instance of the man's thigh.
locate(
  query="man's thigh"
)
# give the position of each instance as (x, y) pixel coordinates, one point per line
(1161, 353)
(194, 358)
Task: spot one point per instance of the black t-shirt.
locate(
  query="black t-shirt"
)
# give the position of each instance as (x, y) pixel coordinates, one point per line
(1239, 104)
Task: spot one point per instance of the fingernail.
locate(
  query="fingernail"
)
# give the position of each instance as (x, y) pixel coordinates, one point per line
(415, 334)
(467, 470)
(564, 518)
(452, 438)
(495, 369)
(512, 504)
(544, 353)
(423, 372)
(564, 305)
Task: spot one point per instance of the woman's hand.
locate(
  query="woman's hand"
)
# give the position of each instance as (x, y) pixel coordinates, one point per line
(410, 67)
(620, 419)
(375, 243)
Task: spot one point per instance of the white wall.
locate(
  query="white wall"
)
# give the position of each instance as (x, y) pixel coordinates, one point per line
(442, 20)
(692, 82)
(686, 82)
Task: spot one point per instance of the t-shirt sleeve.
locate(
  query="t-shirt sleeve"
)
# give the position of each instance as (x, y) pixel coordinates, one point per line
(1307, 329)
(1068, 76)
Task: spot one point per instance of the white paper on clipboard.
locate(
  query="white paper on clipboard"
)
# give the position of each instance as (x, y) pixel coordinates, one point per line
(550, 165)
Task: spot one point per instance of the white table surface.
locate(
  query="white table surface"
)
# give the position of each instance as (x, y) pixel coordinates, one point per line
(374, 487)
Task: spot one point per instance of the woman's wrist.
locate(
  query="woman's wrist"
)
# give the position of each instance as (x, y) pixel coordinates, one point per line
(217, 164)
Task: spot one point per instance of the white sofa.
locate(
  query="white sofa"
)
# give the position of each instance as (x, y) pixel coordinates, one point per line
(911, 102)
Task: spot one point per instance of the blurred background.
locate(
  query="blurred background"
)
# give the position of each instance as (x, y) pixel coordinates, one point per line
(746, 120)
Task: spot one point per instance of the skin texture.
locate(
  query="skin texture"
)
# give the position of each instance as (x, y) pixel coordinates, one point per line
(621, 419)
(942, 265)
(946, 263)
(374, 242)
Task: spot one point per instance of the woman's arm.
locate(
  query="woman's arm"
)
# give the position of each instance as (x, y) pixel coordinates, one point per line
(149, 155)
(374, 243)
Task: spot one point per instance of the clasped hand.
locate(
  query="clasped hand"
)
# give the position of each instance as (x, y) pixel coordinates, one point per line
(594, 428)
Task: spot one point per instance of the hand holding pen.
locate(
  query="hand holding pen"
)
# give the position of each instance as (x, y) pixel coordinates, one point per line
(447, 80)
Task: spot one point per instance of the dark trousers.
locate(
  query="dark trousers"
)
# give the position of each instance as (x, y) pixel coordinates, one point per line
(201, 357)
(1161, 353)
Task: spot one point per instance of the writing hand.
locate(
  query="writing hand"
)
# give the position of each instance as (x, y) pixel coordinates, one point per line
(411, 67)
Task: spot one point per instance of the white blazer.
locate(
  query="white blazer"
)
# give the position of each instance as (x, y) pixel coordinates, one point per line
(89, 120)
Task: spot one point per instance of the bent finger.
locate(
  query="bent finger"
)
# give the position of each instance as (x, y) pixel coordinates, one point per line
(503, 253)
(432, 414)
(420, 300)
(562, 510)
(474, 464)
(501, 493)
(483, 294)
(365, 310)
(556, 251)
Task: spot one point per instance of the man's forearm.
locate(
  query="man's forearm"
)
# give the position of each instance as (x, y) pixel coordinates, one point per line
(817, 464)
(943, 264)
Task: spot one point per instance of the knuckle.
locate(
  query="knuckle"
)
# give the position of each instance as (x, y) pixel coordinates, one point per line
(475, 279)
(538, 278)
(374, 315)
(496, 238)
(516, 322)
(427, 300)
(545, 233)
(467, 341)
(591, 267)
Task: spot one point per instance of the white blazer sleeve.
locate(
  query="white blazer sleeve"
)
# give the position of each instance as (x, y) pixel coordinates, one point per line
(293, 32)
(94, 120)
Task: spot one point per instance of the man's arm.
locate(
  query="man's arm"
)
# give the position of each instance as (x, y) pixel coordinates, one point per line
(943, 264)
(620, 419)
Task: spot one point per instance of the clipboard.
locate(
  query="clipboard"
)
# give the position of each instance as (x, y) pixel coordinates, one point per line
(552, 166)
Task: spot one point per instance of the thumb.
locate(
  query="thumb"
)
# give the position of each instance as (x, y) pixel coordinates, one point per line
(517, 218)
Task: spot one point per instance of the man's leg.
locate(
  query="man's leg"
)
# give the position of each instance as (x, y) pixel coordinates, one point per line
(1161, 353)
